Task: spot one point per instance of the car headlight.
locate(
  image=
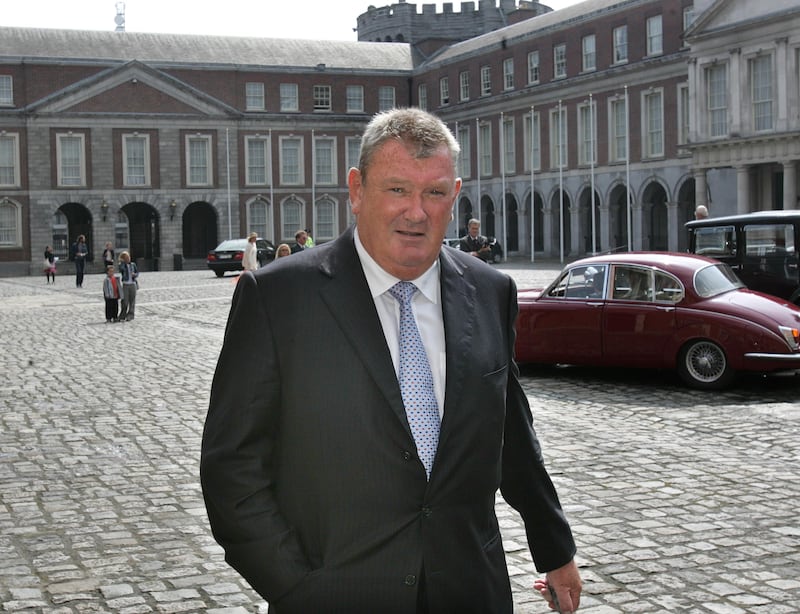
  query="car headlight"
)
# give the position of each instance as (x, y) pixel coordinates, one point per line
(792, 336)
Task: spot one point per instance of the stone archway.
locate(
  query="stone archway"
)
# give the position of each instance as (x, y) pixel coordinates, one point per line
(618, 211)
(512, 225)
(144, 230)
(586, 222)
(487, 213)
(654, 200)
(199, 230)
(79, 222)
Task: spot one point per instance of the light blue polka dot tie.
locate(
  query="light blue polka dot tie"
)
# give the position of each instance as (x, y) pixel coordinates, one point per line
(416, 379)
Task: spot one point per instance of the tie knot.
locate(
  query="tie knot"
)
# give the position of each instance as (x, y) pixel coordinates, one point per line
(403, 291)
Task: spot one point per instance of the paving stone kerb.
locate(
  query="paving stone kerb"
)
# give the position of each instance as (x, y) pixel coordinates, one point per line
(680, 501)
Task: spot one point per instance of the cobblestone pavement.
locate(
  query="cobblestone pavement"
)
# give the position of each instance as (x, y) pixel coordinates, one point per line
(680, 501)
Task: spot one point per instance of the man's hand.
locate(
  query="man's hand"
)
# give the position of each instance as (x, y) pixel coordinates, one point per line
(561, 588)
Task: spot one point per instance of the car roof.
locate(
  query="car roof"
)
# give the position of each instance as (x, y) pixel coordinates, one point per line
(778, 215)
(673, 261)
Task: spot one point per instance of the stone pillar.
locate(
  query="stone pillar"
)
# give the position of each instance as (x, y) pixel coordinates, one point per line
(700, 187)
(790, 185)
(674, 227)
(636, 226)
(743, 189)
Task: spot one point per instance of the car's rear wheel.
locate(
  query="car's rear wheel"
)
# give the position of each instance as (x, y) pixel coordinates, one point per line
(702, 364)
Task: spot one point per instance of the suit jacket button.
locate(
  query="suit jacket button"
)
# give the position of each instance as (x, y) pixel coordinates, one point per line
(407, 455)
(410, 580)
(427, 512)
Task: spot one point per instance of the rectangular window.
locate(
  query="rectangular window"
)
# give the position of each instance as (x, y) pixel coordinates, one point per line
(355, 98)
(198, 160)
(135, 160)
(618, 130)
(533, 142)
(291, 161)
(654, 124)
(761, 92)
(465, 157)
(444, 91)
(589, 53)
(558, 138)
(587, 127)
(560, 61)
(485, 152)
(508, 74)
(289, 99)
(620, 45)
(254, 95)
(683, 114)
(6, 91)
(386, 99)
(322, 97)
(509, 146)
(655, 37)
(70, 151)
(257, 160)
(717, 84)
(422, 97)
(353, 148)
(324, 160)
(9, 156)
(258, 220)
(533, 67)
(486, 81)
(463, 86)
(688, 17)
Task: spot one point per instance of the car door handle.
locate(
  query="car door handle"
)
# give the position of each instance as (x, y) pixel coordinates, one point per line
(594, 303)
(665, 308)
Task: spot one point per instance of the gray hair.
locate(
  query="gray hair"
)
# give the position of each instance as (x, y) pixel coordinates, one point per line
(422, 131)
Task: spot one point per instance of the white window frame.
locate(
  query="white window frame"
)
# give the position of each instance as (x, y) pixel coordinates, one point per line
(10, 141)
(127, 177)
(193, 143)
(325, 160)
(290, 223)
(559, 135)
(291, 171)
(587, 133)
(716, 77)
(353, 152)
(537, 141)
(589, 53)
(560, 61)
(422, 96)
(71, 181)
(465, 157)
(463, 86)
(326, 219)
(653, 123)
(533, 68)
(620, 36)
(6, 91)
(257, 171)
(486, 80)
(386, 98)
(355, 98)
(508, 74)
(444, 91)
(684, 113)
(509, 146)
(261, 223)
(10, 223)
(617, 130)
(290, 100)
(485, 151)
(321, 95)
(655, 35)
(762, 95)
(254, 96)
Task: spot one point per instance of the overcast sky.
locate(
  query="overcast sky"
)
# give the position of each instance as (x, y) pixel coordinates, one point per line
(317, 19)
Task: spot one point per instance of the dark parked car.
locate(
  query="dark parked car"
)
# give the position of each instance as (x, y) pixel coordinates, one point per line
(660, 311)
(228, 255)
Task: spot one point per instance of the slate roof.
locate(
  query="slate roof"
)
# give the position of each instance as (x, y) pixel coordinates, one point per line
(43, 44)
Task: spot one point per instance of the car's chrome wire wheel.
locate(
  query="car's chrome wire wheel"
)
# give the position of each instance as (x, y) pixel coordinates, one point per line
(705, 361)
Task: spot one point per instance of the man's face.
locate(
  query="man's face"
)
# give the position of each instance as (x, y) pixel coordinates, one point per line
(473, 230)
(404, 207)
(301, 238)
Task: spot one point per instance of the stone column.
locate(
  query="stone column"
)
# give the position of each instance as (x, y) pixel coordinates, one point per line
(790, 185)
(743, 189)
(674, 227)
(700, 187)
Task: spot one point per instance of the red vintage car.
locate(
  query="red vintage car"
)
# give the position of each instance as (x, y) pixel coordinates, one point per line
(658, 310)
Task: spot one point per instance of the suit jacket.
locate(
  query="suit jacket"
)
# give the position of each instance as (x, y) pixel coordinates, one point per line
(309, 469)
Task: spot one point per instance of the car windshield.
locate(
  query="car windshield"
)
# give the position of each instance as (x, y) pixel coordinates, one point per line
(231, 244)
(716, 279)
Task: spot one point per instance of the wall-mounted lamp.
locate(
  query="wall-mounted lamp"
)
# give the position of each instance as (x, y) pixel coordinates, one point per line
(104, 209)
(172, 206)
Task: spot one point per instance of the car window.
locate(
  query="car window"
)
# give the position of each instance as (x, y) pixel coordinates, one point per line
(633, 283)
(668, 288)
(232, 244)
(716, 279)
(581, 282)
(715, 241)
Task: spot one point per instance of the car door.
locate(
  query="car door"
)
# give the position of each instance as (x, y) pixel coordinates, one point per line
(639, 320)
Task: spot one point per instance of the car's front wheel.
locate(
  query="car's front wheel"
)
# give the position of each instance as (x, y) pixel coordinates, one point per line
(702, 364)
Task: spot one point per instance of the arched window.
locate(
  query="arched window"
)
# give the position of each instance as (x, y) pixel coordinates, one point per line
(10, 224)
(292, 218)
(259, 219)
(325, 220)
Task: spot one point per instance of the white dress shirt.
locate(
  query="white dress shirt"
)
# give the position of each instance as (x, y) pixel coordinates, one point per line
(427, 306)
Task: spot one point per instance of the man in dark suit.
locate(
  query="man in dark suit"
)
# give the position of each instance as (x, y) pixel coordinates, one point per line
(300, 238)
(474, 243)
(312, 470)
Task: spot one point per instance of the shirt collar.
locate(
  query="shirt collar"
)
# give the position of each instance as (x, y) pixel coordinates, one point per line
(380, 281)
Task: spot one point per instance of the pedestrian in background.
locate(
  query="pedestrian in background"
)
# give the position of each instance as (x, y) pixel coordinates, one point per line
(129, 273)
(49, 264)
(108, 255)
(309, 238)
(283, 250)
(701, 212)
(361, 476)
(79, 252)
(300, 238)
(111, 294)
(250, 259)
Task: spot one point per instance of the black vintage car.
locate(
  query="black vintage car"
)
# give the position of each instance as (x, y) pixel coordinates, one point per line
(228, 255)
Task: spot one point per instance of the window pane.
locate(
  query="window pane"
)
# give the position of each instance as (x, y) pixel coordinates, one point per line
(289, 97)
(135, 161)
(355, 98)
(257, 158)
(70, 163)
(198, 162)
(322, 98)
(324, 224)
(8, 160)
(254, 93)
(6, 90)
(386, 98)
(324, 161)
(292, 220)
(290, 162)
(8, 225)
